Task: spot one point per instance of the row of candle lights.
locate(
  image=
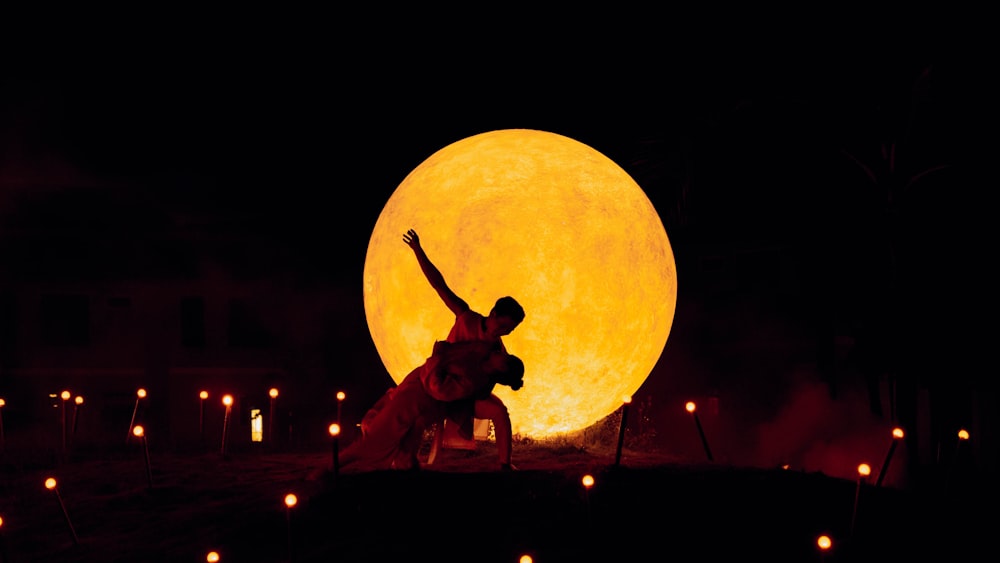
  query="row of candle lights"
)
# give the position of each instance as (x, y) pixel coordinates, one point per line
(824, 542)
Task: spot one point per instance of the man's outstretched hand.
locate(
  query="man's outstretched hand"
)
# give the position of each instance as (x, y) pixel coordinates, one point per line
(411, 239)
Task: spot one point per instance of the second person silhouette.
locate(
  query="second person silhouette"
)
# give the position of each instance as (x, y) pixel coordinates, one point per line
(502, 319)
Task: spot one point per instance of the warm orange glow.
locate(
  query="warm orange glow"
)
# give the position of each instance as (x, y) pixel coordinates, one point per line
(627, 399)
(784, 466)
(334, 429)
(203, 395)
(897, 433)
(141, 393)
(963, 434)
(2, 402)
(555, 224)
(588, 481)
(78, 400)
(139, 431)
(65, 395)
(525, 559)
(291, 500)
(341, 395)
(1, 521)
(864, 470)
(824, 542)
(212, 557)
(50, 483)
(273, 392)
(227, 400)
(689, 406)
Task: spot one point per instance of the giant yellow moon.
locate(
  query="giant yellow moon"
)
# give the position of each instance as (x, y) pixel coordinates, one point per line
(561, 228)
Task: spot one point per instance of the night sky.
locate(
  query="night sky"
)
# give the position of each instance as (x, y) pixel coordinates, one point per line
(766, 150)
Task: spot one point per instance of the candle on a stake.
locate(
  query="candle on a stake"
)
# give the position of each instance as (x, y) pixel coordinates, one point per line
(340, 402)
(50, 484)
(3, 403)
(202, 397)
(140, 394)
(272, 414)
(65, 395)
(691, 408)
(77, 401)
(588, 482)
(140, 433)
(621, 430)
(963, 436)
(290, 501)
(897, 435)
(227, 400)
(864, 470)
(3, 545)
(824, 544)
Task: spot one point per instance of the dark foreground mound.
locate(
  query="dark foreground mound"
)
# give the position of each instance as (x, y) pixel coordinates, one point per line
(460, 510)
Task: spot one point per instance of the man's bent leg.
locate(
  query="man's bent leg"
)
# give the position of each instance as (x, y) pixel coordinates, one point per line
(492, 408)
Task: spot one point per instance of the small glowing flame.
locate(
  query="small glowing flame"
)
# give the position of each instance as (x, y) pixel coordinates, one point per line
(139, 431)
(141, 393)
(525, 559)
(203, 395)
(212, 557)
(963, 434)
(864, 470)
(2, 402)
(897, 433)
(334, 429)
(824, 542)
(588, 481)
(273, 392)
(50, 483)
(227, 400)
(689, 406)
(65, 395)
(341, 396)
(291, 500)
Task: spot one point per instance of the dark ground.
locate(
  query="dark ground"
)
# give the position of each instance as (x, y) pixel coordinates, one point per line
(647, 507)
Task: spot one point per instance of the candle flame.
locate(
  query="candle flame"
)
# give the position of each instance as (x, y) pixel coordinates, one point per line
(334, 429)
(65, 395)
(864, 470)
(341, 396)
(963, 434)
(227, 400)
(689, 406)
(291, 500)
(824, 542)
(141, 393)
(212, 557)
(588, 481)
(203, 395)
(273, 392)
(50, 483)
(897, 433)
(139, 431)
(78, 400)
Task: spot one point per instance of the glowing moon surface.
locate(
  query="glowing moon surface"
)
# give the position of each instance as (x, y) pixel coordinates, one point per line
(558, 226)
